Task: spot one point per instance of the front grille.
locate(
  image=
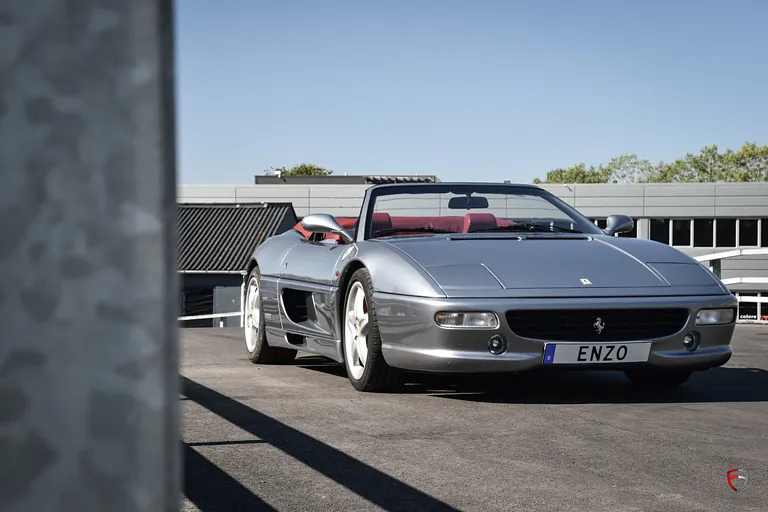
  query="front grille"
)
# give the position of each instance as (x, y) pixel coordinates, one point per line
(579, 324)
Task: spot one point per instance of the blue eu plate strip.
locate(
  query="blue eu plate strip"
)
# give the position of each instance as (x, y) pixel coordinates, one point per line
(549, 354)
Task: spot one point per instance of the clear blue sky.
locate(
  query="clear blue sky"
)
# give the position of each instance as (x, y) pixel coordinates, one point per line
(465, 89)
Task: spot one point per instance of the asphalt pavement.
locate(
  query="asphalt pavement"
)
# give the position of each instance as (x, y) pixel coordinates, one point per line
(299, 438)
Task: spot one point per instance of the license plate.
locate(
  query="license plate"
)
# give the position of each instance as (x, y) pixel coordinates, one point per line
(595, 353)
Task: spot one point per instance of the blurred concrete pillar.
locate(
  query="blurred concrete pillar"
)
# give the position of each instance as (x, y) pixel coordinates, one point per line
(88, 304)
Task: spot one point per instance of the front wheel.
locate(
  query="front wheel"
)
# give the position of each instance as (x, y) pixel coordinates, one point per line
(259, 351)
(658, 379)
(366, 368)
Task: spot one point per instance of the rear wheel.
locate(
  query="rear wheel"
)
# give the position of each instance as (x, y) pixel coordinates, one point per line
(363, 359)
(259, 351)
(658, 380)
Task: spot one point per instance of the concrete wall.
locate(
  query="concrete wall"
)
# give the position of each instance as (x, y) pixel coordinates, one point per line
(341, 200)
(657, 200)
(668, 200)
(642, 202)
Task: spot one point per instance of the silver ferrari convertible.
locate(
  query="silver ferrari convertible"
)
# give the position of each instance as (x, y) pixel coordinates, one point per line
(482, 278)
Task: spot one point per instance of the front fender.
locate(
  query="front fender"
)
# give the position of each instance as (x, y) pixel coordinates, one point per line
(392, 270)
(272, 252)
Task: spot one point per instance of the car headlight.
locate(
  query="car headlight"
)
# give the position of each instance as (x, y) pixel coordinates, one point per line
(467, 320)
(715, 316)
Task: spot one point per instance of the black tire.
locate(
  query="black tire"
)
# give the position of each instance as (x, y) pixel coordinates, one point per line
(377, 375)
(262, 353)
(658, 379)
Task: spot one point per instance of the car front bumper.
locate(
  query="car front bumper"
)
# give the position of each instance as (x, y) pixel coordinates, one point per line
(413, 341)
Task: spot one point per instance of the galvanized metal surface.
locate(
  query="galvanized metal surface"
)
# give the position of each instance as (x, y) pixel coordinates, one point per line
(88, 304)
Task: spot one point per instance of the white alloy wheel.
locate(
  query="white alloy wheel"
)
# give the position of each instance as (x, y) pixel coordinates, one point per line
(356, 329)
(252, 314)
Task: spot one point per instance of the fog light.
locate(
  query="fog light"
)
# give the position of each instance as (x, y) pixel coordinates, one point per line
(467, 320)
(497, 344)
(715, 316)
(691, 341)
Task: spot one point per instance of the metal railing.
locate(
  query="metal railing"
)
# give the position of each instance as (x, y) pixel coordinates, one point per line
(222, 316)
(213, 316)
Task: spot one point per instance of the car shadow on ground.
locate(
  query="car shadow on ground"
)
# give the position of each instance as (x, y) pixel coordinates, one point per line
(210, 488)
(724, 384)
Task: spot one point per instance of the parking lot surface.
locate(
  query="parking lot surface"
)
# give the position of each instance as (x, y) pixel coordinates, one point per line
(300, 438)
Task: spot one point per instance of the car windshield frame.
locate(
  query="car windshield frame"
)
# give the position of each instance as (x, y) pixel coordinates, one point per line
(363, 231)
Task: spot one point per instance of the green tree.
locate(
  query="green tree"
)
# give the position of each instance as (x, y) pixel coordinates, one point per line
(627, 169)
(748, 164)
(707, 166)
(575, 174)
(300, 170)
(621, 169)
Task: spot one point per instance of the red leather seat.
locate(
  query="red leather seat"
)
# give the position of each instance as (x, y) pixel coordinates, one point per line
(344, 222)
(448, 223)
(473, 221)
(298, 227)
(381, 220)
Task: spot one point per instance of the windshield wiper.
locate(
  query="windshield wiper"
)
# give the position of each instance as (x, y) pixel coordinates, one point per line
(392, 231)
(530, 227)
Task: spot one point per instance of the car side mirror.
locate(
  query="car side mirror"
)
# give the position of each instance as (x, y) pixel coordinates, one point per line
(618, 224)
(323, 223)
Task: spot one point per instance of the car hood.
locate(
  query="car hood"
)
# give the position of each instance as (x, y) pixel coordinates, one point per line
(556, 265)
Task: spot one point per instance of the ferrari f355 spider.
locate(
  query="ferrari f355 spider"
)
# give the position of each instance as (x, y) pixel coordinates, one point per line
(482, 278)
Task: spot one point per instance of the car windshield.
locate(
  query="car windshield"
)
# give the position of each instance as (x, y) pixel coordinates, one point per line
(419, 210)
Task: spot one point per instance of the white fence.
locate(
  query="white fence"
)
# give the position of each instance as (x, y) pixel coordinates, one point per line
(219, 316)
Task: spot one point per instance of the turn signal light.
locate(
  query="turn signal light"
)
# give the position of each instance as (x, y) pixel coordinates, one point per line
(467, 320)
(715, 316)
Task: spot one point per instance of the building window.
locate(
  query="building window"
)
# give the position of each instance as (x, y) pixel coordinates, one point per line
(704, 232)
(764, 233)
(726, 232)
(681, 232)
(601, 223)
(748, 232)
(747, 310)
(660, 230)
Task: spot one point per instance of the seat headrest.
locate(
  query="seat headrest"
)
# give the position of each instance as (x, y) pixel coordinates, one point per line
(479, 221)
(380, 220)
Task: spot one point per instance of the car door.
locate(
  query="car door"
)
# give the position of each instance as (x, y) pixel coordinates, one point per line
(306, 287)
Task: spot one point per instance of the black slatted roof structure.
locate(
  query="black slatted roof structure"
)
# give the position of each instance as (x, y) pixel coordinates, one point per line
(220, 237)
(379, 180)
(343, 180)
